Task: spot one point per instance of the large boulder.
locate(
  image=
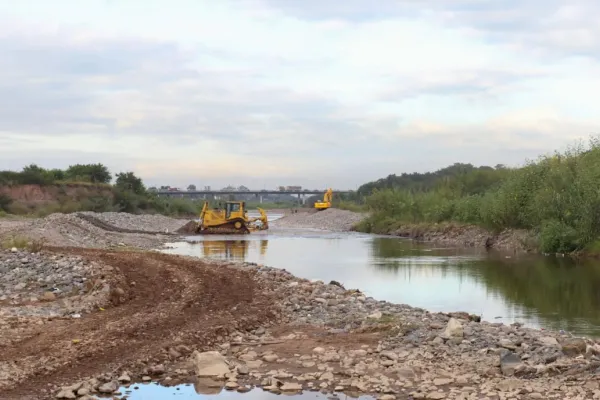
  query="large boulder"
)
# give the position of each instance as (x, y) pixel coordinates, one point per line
(210, 364)
(454, 330)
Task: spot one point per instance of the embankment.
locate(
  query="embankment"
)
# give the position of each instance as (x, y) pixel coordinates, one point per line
(68, 196)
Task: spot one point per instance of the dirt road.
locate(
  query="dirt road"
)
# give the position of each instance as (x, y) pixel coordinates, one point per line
(158, 303)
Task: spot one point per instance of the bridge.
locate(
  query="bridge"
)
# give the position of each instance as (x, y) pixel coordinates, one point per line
(215, 194)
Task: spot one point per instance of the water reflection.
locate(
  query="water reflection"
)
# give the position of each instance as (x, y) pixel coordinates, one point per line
(153, 391)
(539, 291)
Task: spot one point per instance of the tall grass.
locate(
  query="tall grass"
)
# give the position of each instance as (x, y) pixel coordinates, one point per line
(557, 197)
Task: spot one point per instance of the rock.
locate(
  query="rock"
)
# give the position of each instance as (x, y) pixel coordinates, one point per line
(108, 387)
(209, 364)
(442, 381)
(231, 385)
(318, 350)
(454, 329)
(549, 341)
(243, 370)
(157, 369)
(291, 387)
(48, 296)
(66, 393)
(270, 357)
(376, 315)
(124, 378)
(436, 396)
(389, 355)
(509, 362)
(574, 347)
(387, 397)
(249, 356)
(507, 344)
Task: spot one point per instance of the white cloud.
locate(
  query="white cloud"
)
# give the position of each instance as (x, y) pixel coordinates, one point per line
(267, 91)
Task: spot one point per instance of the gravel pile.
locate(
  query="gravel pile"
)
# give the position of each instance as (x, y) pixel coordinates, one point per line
(71, 230)
(331, 220)
(144, 222)
(47, 284)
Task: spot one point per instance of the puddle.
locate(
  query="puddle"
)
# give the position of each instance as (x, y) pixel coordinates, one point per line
(154, 391)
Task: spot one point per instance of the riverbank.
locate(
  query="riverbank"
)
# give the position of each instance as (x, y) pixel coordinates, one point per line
(273, 330)
(447, 234)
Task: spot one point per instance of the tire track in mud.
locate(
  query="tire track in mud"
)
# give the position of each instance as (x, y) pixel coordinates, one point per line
(162, 301)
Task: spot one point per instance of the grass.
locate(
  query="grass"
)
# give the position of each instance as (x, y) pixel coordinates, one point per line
(556, 197)
(23, 243)
(350, 206)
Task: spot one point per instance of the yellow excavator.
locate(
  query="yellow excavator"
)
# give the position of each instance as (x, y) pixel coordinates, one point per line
(230, 218)
(326, 203)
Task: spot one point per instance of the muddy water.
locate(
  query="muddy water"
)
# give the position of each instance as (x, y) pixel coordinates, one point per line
(153, 391)
(538, 291)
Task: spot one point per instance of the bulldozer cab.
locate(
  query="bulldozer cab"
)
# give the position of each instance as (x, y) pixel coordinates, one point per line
(234, 208)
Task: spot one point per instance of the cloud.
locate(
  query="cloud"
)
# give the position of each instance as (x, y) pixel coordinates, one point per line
(270, 91)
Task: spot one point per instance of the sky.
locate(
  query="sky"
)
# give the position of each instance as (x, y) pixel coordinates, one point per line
(317, 93)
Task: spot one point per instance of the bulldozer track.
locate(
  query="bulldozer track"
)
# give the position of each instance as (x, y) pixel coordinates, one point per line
(111, 228)
(226, 229)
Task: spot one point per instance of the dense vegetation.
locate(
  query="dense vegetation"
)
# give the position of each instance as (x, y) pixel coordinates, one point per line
(557, 197)
(126, 194)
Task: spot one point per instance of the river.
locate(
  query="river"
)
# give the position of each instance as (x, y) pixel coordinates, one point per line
(543, 292)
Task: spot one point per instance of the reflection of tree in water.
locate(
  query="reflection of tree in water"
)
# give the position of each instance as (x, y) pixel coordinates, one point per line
(561, 293)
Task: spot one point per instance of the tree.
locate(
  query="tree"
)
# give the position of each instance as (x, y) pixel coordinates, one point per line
(191, 188)
(127, 181)
(35, 175)
(94, 173)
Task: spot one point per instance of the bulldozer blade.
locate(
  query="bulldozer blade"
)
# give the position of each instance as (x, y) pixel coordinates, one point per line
(189, 228)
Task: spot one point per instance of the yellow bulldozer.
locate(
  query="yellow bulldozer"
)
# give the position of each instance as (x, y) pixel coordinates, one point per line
(229, 218)
(326, 202)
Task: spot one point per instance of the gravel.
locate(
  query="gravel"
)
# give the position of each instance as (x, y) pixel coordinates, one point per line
(143, 222)
(71, 230)
(331, 220)
(49, 285)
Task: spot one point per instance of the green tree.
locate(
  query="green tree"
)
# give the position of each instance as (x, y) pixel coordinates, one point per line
(127, 181)
(94, 173)
(191, 188)
(35, 175)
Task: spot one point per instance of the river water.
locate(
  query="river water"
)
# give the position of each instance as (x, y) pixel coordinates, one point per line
(539, 291)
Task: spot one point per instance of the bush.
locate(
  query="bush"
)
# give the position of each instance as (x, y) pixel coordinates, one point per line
(557, 197)
(5, 202)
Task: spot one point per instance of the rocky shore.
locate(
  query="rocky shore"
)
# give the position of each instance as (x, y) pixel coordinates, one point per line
(307, 336)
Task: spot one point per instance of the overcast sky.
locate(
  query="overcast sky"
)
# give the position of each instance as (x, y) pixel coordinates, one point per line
(287, 92)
